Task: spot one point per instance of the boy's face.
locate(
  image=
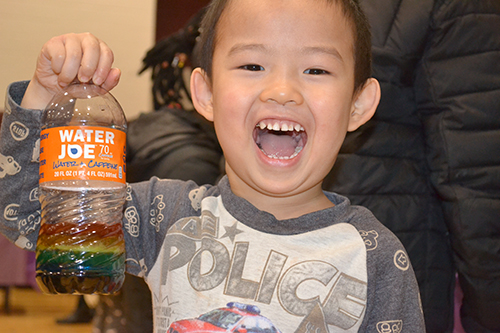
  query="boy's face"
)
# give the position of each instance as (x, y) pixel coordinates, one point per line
(281, 64)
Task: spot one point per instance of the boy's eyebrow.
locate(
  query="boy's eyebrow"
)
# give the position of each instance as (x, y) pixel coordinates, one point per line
(327, 50)
(245, 47)
(307, 50)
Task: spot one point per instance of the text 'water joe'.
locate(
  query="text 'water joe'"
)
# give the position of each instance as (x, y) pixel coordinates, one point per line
(80, 248)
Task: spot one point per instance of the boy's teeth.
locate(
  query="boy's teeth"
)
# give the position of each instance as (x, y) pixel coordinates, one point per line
(283, 127)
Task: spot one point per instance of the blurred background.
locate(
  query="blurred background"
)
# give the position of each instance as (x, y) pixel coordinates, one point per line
(129, 27)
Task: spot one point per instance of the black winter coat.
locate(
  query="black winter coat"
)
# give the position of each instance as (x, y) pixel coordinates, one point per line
(175, 144)
(428, 163)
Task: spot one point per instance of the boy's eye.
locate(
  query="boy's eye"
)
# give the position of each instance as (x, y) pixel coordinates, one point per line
(316, 71)
(252, 67)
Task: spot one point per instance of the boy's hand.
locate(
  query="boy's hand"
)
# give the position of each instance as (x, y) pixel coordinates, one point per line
(65, 59)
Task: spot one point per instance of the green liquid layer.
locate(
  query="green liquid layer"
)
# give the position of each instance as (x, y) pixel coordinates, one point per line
(79, 260)
(79, 272)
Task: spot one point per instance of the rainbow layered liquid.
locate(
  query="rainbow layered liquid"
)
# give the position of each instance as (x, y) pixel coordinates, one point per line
(80, 259)
(85, 256)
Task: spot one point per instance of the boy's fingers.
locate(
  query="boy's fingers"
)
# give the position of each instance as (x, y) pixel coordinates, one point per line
(90, 48)
(112, 79)
(72, 61)
(103, 69)
(53, 55)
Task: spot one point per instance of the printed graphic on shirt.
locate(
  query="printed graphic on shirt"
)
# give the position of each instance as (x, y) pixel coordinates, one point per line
(142, 266)
(196, 196)
(30, 223)
(155, 215)
(401, 260)
(392, 326)
(232, 231)
(370, 238)
(234, 317)
(25, 226)
(8, 109)
(314, 322)
(132, 223)
(34, 194)
(8, 166)
(19, 131)
(211, 260)
(35, 156)
(11, 212)
(129, 193)
(24, 243)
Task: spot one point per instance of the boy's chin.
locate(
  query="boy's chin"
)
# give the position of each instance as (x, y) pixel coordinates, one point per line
(278, 185)
(282, 184)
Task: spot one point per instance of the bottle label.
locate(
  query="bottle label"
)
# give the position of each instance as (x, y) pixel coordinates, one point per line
(82, 153)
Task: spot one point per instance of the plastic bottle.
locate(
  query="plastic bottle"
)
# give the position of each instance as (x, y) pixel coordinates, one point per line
(80, 248)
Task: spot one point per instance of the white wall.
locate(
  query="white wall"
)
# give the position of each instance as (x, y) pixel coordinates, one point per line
(127, 26)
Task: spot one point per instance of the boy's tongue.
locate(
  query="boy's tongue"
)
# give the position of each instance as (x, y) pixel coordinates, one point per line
(277, 145)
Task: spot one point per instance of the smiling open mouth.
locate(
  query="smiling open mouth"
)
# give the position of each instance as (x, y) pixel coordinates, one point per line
(279, 139)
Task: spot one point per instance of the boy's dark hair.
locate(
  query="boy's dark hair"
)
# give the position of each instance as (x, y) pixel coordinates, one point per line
(351, 10)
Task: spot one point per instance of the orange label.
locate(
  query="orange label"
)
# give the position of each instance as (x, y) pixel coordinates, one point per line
(82, 153)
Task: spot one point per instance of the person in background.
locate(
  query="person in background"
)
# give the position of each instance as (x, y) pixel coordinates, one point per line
(428, 163)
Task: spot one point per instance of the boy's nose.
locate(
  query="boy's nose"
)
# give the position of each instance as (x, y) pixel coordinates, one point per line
(282, 91)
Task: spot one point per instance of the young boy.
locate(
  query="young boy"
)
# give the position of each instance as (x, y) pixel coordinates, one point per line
(266, 250)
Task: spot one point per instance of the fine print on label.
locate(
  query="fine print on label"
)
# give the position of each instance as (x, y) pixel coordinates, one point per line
(82, 152)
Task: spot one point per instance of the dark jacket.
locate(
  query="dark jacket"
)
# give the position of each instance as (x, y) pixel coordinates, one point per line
(175, 144)
(428, 163)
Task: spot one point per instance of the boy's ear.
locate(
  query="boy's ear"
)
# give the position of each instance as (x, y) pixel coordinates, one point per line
(365, 104)
(201, 94)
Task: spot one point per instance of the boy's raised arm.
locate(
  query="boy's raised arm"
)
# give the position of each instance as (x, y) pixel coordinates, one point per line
(68, 58)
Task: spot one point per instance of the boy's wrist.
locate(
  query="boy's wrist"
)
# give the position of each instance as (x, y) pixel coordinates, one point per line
(36, 96)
